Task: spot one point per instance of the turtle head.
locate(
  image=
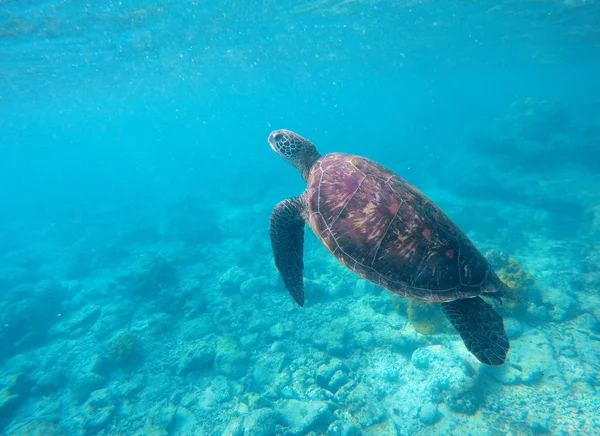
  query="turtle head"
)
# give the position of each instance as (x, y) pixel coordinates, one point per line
(294, 149)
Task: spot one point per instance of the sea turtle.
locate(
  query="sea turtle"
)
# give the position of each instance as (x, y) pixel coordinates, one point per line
(387, 231)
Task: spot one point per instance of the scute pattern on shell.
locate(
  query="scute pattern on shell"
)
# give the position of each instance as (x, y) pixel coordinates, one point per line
(387, 231)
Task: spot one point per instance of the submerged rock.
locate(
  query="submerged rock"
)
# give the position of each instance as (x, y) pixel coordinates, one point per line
(364, 340)
(13, 391)
(587, 323)
(199, 356)
(303, 416)
(333, 338)
(129, 386)
(539, 427)
(467, 403)
(513, 327)
(338, 379)
(429, 414)
(230, 360)
(266, 369)
(562, 307)
(326, 372)
(254, 285)
(160, 417)
(160, 274)
(84, 317)
(421, 358)
(97, 410)
(217, 392)
(343, 428)
(85, 384)
(197, 328)
(262, 422)
(231, 280)
(24, 324)
(361, 403)
(35, 428)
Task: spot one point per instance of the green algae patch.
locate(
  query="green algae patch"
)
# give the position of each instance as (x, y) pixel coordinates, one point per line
(124, 348)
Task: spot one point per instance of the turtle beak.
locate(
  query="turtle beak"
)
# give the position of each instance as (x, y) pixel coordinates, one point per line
(271, 140)
(275, 136)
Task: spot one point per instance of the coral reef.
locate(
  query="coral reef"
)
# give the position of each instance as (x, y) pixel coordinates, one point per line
(515, 276)
(181, 324)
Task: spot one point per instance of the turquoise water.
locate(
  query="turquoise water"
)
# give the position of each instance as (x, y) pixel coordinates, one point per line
(138, 293)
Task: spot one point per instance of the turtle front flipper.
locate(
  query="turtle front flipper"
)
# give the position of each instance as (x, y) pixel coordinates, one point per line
(287, 240)
(480, 327)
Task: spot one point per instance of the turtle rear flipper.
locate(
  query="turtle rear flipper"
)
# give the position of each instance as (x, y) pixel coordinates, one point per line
(480, 327)
(287, 240)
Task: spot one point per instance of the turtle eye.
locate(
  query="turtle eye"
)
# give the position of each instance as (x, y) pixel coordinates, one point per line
(278, 137)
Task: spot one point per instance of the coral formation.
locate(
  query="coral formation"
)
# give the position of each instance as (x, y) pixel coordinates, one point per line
(510, 270)
(427, 318)
(124, 348)
(514, 275)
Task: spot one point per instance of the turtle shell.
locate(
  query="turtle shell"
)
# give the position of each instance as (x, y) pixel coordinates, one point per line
(384, 229)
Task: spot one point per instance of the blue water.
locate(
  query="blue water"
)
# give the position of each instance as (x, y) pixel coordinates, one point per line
(138, 293)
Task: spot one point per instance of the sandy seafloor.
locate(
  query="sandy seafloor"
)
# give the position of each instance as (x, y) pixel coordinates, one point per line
(181, 325)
